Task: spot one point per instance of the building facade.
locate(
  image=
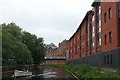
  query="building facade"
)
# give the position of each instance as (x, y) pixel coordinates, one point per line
(56, 55)
(96, 41)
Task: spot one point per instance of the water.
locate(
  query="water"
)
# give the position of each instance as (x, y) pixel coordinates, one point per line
(40, 73)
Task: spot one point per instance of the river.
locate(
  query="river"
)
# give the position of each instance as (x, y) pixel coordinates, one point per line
(42, 73)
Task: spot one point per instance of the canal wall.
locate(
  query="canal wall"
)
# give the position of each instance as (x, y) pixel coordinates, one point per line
(8, 68)
(55, 61)
(109, 59)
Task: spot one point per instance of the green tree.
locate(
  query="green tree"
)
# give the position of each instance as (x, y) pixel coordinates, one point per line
(13, 29)
(13, 49)
(20, 46)
(35, 46)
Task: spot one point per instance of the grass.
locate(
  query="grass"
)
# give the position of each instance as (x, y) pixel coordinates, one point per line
(85, 71)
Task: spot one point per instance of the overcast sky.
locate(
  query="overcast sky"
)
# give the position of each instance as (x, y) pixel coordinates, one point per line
(54, 20)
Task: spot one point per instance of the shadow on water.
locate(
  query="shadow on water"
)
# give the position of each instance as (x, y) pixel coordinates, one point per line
(41, 73)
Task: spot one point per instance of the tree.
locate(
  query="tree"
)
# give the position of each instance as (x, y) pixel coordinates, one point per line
(20, 46)
(13, 49)
(35, 46)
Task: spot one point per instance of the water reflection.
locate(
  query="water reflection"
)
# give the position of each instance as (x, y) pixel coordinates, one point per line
(40, 73)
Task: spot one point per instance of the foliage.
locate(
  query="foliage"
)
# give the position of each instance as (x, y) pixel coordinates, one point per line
(35, 46)
(15, 49)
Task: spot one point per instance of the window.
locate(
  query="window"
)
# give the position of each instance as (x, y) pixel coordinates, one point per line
(93, 40)
(107, 59)
(92, 29)
(99, 10)
(99, 17)
(98, 35)
(111, 57)
(110, 13)
(105, 39)
(93, 18)
(92, 35)
(92, 49)
(110, 37)
(99, 24)
(92, 23)
(99, 42)
(105, 18)
(99, 30)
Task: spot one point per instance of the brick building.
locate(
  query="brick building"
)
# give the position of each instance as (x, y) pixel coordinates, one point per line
(51, 49)
(56, 55)
(62, 48)
(96, 41)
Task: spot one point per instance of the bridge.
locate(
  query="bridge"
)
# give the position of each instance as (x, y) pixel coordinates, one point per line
(55, 60)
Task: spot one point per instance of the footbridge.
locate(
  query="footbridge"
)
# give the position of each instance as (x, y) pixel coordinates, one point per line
(55, 60)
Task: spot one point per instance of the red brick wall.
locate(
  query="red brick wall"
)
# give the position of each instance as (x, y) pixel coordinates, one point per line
(83, 36)
(110, 25)
(95, 25)
(74, 41)
(89, 34)
(71, 48)
(78, 44)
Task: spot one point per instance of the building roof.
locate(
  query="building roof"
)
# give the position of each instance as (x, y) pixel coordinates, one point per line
(51, 45)
(86, 16)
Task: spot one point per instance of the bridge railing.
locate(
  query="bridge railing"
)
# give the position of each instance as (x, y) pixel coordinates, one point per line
(54, 58)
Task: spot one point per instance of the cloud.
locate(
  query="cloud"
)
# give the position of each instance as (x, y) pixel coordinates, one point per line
(54, 20)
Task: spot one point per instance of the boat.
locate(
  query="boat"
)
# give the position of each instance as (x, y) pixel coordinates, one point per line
(19, 73)
(22, 70)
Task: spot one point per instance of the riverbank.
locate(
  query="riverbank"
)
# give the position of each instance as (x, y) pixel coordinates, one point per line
(8, 68)
(12, 68)
(85, 71)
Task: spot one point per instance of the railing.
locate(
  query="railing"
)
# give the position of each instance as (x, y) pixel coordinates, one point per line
(50, 58)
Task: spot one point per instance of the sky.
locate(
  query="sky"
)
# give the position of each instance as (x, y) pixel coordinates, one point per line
(54, 20)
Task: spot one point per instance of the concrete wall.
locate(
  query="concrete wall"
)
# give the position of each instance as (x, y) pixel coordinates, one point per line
(99, 60)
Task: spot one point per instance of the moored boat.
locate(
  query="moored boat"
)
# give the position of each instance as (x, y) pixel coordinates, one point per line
(19, 73)
(22, 70)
